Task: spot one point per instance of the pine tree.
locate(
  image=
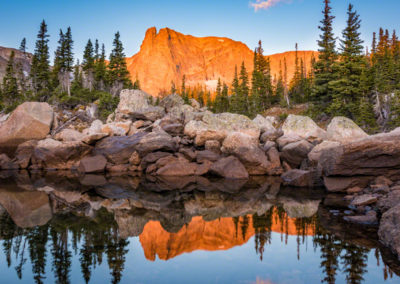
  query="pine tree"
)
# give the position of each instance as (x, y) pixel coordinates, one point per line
(10, 92)
(243, 104)
(22, 46)
(224, 99)
(118, 74)
(100, 69)
(40, 69)
(347, 90)
(218, 98)
(88, 65)
(68, 61)
(324, 67)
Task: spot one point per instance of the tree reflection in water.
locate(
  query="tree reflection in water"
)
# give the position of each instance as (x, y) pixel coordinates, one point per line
(171, 223)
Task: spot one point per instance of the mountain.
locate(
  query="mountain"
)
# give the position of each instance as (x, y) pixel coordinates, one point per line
(218, 234)
(20, 58)
(168, 55)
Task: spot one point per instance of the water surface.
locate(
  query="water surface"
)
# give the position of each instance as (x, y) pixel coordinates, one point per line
(96, 229)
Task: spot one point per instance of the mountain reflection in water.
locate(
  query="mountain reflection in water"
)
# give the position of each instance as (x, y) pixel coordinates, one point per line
(73, 229)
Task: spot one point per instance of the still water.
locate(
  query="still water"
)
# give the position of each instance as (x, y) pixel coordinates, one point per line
(96, 229)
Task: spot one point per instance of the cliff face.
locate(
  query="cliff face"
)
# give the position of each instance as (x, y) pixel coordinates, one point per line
(219, 234)
(168, 55)
(20, 58)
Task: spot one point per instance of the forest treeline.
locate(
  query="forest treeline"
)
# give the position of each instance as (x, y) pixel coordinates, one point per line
(346, 79)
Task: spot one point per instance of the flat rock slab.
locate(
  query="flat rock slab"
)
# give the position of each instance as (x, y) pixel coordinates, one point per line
(368, 219)
(364, 200)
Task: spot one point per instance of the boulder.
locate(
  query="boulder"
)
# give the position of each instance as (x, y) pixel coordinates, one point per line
(298, 178)
(188, 153)
(134, 159)
(136, 104)
(118, 149)
(30, 120)
(275, 167)
(317, 151)
(389, 229)
(67, 135)
(246, 148)
(178, 167)
(91, 139)
(194, 104)
(213, 145)
(373, 156)
(263, 123)
(206, 155)
(367, 219)
(24, 153)
(171, 101)
(218, 126)
(295, 153)
(341, 184)
(365, 199)
(271, 135)
(116, 128)
(343, 129)
(6, 163)
(303, 126)
(53, 154)
(229, 167)
(156, 141)
(95, 164)
(389, 201)
(287, 139)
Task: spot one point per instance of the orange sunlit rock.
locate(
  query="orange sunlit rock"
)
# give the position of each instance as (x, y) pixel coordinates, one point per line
(168, 55)
(220, 234)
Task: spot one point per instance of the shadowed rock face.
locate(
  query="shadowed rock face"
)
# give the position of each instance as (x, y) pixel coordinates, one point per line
(166, 55)
(26, 208)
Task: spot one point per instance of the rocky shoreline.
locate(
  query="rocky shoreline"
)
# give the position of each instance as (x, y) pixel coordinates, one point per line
(173, 139)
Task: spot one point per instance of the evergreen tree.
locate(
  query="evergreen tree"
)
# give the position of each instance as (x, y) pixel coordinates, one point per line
(22, 46)
(88, 65)
(324, 69)
(118, 74)
(224, 99)
(100, 69)
(40, 69)
(10, 92)
(243, 104)
(347, 90)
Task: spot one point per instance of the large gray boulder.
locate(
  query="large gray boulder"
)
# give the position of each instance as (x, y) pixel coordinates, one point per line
(343, 129)
(30, 120)
(295, 153)
(170, 101)
(303, 126)
(137, 104)
(217, 127)
(263, 123)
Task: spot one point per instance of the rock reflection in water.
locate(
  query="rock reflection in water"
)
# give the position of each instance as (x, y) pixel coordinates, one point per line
(60, 218)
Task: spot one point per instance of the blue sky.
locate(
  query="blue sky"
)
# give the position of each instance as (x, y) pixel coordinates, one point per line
(278, 23)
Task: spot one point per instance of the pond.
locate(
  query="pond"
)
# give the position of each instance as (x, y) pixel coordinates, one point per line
(95, 229)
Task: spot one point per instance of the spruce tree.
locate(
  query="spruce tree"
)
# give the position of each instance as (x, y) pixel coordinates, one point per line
(235, 92)
(100, 69)
(243, 104)
(324, 69)
(347, 90)
(68, 61)
(118, 74)
(10, 92)
(224, 99)
(88, 65)
(40, 69)
(22, 46)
